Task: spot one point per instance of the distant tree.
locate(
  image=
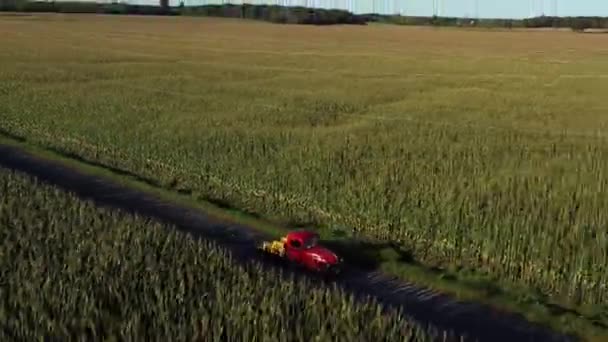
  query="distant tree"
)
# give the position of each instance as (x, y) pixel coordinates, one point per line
(434, 20)
(580, 24)
(164, 4)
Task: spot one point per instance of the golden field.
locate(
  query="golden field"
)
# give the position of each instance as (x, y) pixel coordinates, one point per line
(477, 149)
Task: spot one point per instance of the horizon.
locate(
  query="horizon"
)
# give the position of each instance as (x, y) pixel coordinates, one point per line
(482, 9)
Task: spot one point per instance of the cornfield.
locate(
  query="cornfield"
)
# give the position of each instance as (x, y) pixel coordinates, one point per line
(70, 270)
(487, 160)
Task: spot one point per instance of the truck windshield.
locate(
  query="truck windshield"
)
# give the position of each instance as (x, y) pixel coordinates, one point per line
(311, 242)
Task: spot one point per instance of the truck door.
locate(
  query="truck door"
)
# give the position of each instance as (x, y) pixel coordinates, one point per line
(294, 250)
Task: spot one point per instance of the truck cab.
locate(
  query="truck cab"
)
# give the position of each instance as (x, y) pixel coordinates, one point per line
(302, 247)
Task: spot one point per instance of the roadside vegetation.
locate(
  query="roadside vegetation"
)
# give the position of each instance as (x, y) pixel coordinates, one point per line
(70, 270)
(476, 159)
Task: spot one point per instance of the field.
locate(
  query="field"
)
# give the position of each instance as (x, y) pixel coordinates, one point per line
(71, 270)
(483, 150)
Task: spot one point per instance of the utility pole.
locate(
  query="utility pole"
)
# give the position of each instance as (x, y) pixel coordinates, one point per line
(476, 9)
(542, 8)
(555, 14)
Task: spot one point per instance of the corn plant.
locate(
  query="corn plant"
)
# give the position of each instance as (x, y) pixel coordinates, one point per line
(72, 271)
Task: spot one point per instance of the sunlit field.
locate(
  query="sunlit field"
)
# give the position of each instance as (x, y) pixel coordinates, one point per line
(476, 149)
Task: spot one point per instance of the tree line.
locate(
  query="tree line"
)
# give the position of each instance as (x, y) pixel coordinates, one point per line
(298, 15)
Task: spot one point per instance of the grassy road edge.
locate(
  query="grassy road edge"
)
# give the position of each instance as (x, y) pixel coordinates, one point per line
(465, 286)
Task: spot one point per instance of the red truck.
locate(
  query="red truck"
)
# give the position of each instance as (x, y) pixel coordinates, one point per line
(302, 248)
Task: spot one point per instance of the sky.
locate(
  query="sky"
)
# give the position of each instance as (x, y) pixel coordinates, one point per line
(455, 8)
(517, 8)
